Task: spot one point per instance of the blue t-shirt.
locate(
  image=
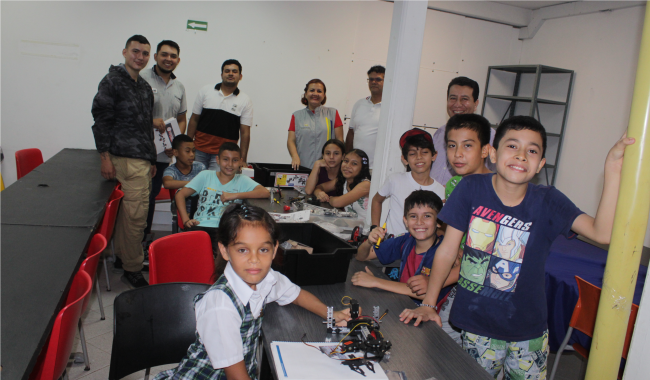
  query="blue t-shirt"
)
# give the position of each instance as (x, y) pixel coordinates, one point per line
(500, 292)
(172, 171)
(400, 247)
(209, 188)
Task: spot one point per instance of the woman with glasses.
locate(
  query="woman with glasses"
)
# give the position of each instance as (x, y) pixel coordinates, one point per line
(312, 126)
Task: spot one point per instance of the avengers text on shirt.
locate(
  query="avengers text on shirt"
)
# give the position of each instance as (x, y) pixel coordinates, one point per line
(493, 253)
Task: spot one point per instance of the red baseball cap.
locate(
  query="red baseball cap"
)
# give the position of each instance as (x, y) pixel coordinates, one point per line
(414, 132)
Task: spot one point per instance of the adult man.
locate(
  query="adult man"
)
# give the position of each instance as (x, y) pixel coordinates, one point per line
(462, 97)
(122, 110)
(364, 122)
(219, 114)
(169, 101)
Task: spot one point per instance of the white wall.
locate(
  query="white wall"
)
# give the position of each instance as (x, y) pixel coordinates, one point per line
(46, 101)
(282, 45)
(603, 49)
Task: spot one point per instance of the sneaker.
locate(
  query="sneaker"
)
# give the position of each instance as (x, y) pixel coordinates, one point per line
(146, 256)
(134, 279)
(117, 265)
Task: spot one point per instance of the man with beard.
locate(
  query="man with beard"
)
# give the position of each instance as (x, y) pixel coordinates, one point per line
(169, 101)
(221, 114)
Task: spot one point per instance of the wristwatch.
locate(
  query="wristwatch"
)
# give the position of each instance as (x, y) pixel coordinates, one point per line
(373, 227)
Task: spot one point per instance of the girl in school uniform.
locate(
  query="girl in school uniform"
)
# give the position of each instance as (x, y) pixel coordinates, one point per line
(353, 182)
(229, 314)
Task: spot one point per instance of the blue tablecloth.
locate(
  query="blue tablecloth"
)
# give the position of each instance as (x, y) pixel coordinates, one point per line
(567, 259)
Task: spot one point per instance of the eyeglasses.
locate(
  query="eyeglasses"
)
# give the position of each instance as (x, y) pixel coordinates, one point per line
(378, 80)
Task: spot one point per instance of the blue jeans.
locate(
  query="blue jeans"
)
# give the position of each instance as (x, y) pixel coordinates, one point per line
(207, 159)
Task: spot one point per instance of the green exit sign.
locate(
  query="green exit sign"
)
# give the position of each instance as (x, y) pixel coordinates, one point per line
(197, 25)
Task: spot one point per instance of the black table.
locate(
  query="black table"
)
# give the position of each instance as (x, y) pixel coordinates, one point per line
(421, 352)
(287, 194)
(45, 232)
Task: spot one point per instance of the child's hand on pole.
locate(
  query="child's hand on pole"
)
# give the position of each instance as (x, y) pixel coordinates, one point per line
(614, 161)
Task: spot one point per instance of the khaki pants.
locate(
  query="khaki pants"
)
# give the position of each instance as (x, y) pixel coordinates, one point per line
(134, 175)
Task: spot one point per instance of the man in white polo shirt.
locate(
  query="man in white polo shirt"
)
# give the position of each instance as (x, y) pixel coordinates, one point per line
(364, 122)
(221, 114)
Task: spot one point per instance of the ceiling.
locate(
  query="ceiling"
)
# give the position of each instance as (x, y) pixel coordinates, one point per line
(532, 4)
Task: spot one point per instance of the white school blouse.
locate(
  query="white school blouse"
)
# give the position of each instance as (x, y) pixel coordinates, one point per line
(218, 321)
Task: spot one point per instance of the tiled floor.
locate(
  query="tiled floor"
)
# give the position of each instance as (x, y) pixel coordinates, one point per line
(99, 336)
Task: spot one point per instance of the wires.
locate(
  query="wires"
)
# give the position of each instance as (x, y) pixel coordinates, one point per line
(307, 344)
(383, 315)
(346, 335)
(344, 297)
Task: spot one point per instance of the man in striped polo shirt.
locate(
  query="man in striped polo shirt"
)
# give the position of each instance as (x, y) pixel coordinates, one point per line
(221, 114)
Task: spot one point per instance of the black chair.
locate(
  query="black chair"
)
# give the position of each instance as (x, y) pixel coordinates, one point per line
(153, 325)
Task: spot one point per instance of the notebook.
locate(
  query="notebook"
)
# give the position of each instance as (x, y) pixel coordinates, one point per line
(297, 361)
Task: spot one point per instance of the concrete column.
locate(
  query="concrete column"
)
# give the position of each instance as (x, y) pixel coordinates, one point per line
(400, 88)
(628, 234)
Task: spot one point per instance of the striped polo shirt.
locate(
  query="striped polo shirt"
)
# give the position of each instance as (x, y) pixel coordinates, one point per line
(221, 117)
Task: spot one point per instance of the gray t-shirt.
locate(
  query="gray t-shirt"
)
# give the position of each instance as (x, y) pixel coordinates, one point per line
(172, 171)
(169, 99)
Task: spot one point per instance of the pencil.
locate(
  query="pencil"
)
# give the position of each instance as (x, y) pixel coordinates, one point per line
(379, 240)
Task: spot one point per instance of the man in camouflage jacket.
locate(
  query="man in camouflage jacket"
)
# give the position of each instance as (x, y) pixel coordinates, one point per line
(123, 130)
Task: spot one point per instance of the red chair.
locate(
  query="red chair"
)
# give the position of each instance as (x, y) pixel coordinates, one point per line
(185, 257)
(164, 195)
(97, 246)
(583, 319)
(108, 224)
(27, 160)
(54, 357)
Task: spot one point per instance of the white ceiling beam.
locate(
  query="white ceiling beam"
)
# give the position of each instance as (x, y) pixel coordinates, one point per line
(571, 9)
(486, 10)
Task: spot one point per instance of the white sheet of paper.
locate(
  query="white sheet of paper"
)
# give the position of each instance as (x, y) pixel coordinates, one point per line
(302, 362)
(164, 140)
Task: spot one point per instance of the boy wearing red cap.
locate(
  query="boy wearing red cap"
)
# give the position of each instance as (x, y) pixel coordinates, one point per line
(418, 153)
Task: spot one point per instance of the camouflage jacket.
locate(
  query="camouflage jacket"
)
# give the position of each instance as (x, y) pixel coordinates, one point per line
(123, 113)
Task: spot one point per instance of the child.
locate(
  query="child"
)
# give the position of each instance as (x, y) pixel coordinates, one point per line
(500, 304)
(353, 181)
(467, 137)
(217, 189)
(229, 314)
(415, 249)
(418, 153)
(185, 169)
(328, 167)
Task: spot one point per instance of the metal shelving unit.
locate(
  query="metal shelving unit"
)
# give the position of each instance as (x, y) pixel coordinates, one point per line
(515, 90)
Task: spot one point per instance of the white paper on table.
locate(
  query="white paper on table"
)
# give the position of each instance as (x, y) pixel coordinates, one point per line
(164, 140)
(299, 216)
(301, 362)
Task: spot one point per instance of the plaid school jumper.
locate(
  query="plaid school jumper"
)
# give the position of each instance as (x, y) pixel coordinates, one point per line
(197, 365)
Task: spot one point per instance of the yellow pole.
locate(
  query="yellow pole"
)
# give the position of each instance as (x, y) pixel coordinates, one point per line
(630, 225)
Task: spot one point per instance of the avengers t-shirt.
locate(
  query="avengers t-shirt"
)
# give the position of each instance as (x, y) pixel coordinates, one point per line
(209, 189)
(501, 285)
